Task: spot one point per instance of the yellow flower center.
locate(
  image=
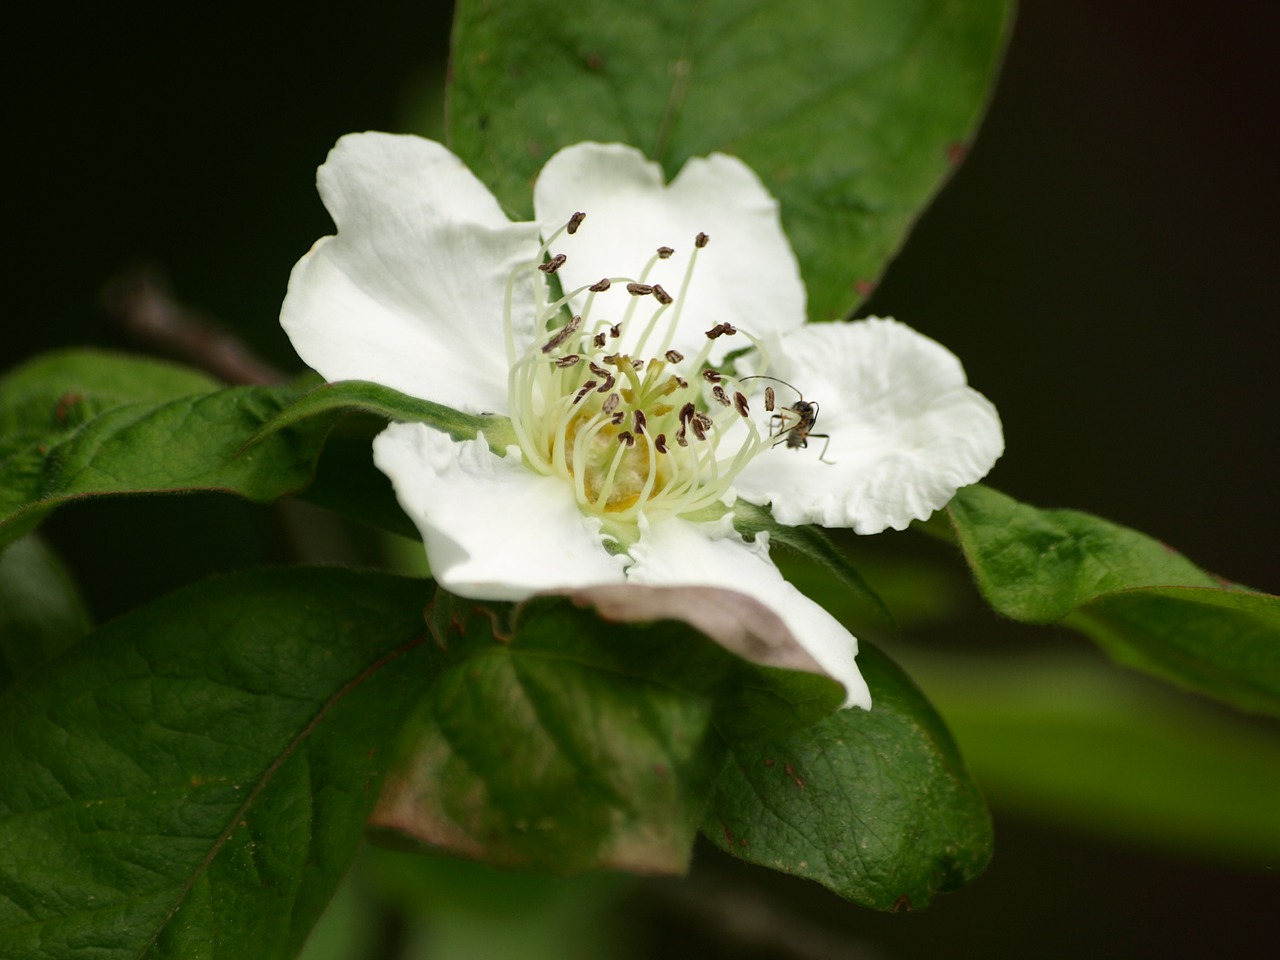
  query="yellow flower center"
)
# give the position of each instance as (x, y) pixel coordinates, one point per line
(647, 430)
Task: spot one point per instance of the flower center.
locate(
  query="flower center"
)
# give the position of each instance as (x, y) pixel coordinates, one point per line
(603, 399)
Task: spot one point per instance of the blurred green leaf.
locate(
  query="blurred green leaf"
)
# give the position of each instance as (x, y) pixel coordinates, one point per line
(1148, 606)
(876, 805)
(1063, 739)
(556, 744)
(41, 613)
(853, 112)
(81, 424)
(195, 776)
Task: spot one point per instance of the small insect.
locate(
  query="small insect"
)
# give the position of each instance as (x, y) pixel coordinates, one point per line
(793, 425)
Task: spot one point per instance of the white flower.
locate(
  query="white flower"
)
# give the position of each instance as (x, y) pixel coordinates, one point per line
(680, 383)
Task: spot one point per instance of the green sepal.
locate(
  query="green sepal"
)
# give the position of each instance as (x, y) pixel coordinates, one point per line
(361, 396)
(810, 541)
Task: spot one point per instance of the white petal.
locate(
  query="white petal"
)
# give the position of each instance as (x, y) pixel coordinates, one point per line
(674, 551)
(409, 293)
(906, 432)
(747, 275)
(494, 529)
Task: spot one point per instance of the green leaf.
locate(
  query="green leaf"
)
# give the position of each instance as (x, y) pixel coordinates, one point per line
(875, 805)
(1148, 606)
(555, 744)
(83, 424)
(193, 779)
(853, 113)
(41, 613)
(1063, 738)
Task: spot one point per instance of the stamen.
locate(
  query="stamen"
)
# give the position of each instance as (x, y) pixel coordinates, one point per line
(563, 334)
(554, 264)
(566, 413)
(768, 399)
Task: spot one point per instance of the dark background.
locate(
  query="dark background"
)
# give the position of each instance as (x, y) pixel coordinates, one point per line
(1104, 264)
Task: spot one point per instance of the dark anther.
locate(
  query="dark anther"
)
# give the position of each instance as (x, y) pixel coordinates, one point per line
(687, 412)
(661, 295)
(637, 364)
(584, 390)
(607, 385)
(639, 289)
(699, 430)
(721, 397)
(600, 286)
(640, 420)
(598, 340)
(615, 331)
(563, 334)
(681, 382)
(680, 437)
(740, 402)
(701, 240)
(568, 361)
(768, 399)
(618, 419)
(598, 370)
(665, 253)
(610, 403)
(613, 359)
(721, 330)
(574, 223)
(660, 443)
(626, 438)
(712, 376)
(674, 356)
(554, 264)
